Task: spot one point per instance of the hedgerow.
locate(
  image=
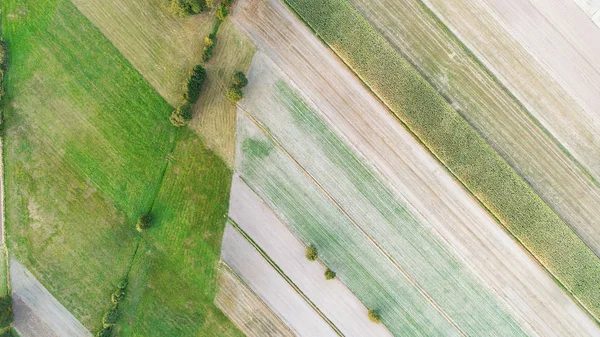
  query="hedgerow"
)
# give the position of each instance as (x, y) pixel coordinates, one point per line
(458, 146)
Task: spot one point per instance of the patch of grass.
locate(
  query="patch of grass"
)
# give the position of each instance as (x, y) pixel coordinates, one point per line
(172, 283)
(85, 149)
(457, 145)
(163, 49)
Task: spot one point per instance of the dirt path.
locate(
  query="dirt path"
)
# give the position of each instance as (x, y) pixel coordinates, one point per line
(527, 290)
(37, 312)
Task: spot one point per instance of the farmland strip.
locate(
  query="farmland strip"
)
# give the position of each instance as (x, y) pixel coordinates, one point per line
(463, 152)
(285, 277)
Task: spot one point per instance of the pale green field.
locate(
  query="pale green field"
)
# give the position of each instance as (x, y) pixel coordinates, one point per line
(458, 146)
(381, 213)
(163, 49)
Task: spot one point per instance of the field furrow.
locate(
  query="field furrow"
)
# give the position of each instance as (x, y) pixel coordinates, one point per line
(267, 283)
(492, 110)
(412, 173)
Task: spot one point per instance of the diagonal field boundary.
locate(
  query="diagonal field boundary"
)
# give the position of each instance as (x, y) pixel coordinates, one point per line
(285, 277)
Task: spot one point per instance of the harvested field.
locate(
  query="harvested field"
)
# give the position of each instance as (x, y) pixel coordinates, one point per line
(438, 199)
(488, 106)
(267, 283)
(163, 49)
(37, 312)
(458, 146)
(245, 309)
(550, 64)
(331, 297)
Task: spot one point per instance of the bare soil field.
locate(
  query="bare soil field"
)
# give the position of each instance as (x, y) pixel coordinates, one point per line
(267, 283)
(454, 216)
(553, 70)
(491, 110)
(245, 309)
(332, 297)
(37, 312)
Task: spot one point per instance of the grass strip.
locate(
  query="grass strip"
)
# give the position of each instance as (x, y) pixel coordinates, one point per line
(457, 145)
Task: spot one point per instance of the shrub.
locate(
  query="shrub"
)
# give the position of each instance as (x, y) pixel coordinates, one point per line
(105, 332)
(329, 274)
(226, 3)
(234, 94)
(311, 253)
(144, 221)
(374, 316)
(181, 8)
(239, 80)
(111, 316)
(194, 84)
(117, 296)
(182, 115)
(6, 312)
(222, 12)
(176, 8)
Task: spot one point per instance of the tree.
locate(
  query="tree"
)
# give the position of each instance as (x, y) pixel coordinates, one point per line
(111, 316)
(221, 12)
(144, 222)
(311, 252)
(177, 8)
(374, 316)
(6, 312)
(105, 332)
(239, 80)
(194, 84)
(329, 274)
(234, 94)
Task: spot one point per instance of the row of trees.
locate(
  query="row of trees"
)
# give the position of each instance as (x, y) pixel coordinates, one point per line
(312, 254)
(234, 93)
(183, 114)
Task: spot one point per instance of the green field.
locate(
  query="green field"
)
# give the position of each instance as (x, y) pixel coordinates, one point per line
(457, 145)
(87, 144)
(163, 49)
(173, 279)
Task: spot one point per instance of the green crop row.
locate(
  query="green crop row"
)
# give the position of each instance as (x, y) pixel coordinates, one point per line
(457, 145)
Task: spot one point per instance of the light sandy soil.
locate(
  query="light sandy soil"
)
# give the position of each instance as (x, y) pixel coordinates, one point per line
(245, 309)
(37, 312)
(590, 7)
(266, 282)
(547, 52)
(331, 297)
(490, 109)
(527, 291)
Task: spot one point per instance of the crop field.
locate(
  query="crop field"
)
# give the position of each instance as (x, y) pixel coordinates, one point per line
(184, 241)
(332, 297)
(246, 309)
(452, 140)
(82, 159)
(501, 120)
(410, 171)
(163, 49)
(551, 67)
(381, 214)
(239, 254)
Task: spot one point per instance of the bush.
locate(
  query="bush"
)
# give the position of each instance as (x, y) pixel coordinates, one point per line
(234, 94)
(117, 296)
(144, 222)
(226, 3)
(182, 115)
(111, 316)
(239, 80)
(329, 274)
(311, 253)
(194, 84)
(182, 8)
(105, 332)
(222, 12)
(374, 316)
